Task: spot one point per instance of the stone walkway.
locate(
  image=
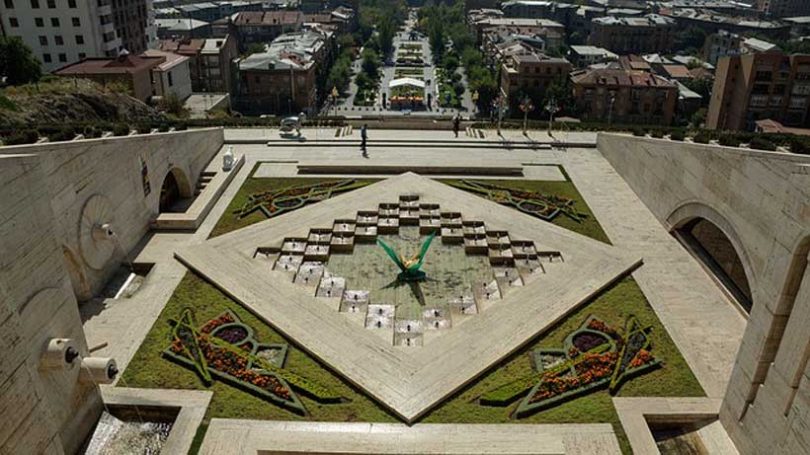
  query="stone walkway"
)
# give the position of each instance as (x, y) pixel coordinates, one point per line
(703, 323)
(243, 437)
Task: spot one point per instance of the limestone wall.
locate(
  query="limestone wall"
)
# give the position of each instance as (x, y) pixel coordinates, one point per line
(761, 201)
(43, 410)
(109, 171)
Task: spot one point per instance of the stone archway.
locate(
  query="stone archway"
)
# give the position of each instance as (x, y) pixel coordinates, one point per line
(713, 240)
(176, 187)
(78, 277)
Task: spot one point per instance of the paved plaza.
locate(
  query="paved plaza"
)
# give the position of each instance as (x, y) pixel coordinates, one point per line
(409, 381)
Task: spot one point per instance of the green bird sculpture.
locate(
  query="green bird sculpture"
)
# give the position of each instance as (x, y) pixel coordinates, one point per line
(409, 267)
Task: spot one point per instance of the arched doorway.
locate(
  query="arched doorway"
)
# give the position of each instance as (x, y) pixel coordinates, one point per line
(175, 192)
(717, 252)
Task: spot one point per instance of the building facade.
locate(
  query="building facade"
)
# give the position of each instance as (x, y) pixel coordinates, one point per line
(64, 31)
(131, 19)
(529, 73)
(172, 77)
(211, 61)
(757, 86)
(624, 96)
(784, 8)
(633, 35)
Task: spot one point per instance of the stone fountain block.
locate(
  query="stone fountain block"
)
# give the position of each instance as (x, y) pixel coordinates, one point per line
(452, 235)
(436, 319)
(529, 265)
(550, 256)
(288, 263)
(429, 211)
(366, 234)
(523, 249)
(451, 219)
(309, 273)
(486, 292)
(320, 236)
(429, 225)
(387, 225)
(367, 218)
(389, 210)
(409, 216)
(475, 245)
(474, 228)
(500, 254)
(354, 301)
(507, 277)
(408, 332)
(380, 316)
(331, 286)
(343, 227)
(294, 245)
(342, 243)
(498, 238)
(409, 201)
(463, 305)
(316, 253)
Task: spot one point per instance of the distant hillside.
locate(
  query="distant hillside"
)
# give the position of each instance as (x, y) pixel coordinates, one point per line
(62, 101)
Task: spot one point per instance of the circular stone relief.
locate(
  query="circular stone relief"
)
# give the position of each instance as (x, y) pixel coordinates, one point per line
(95, 244)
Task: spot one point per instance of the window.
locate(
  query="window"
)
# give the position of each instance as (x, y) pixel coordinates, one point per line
(51, 4)
(58, 39)
(39, 22)
(63, 58)
(9, 4)
(54, 22)
(71, 3)
(13, 22)
(82, 56)
(46, 58)
(43, 40)
(79, 39)
(76, 22)
(171, 81)
(35, 5)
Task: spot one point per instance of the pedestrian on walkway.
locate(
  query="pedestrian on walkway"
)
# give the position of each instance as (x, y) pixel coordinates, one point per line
(456, 123)
(363, 139)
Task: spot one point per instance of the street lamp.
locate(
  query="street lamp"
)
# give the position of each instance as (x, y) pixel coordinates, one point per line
(526, 106)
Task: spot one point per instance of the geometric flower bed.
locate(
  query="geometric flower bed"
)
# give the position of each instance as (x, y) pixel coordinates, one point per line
(225, 348)
(593, 357)
(274, 203)
(543, 206)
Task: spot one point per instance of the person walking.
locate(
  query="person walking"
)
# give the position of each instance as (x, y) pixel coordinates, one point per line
(363, 139)
(456, 124)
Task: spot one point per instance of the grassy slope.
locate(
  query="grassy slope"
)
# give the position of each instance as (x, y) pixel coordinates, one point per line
(149, 369)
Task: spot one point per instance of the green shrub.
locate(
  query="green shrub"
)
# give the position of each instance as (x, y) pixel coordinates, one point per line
(729, 140)
(61, 135)
(658, 134)
(90, 132)
(144, 129)
(22, 137)
(701, 138)
(677, 135)
(762, 144)
(638, 131)
(121, 129)
(181, 127)
(163, 127)
(800, 146)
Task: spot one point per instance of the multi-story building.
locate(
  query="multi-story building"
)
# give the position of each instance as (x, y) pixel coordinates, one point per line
(210, 61)
(284, 78)
(495, 41)
(64, 31)
(526, 72)
(624, 96)
(133, 72)
(723, 44)
(541, 9)
(712, 22)
(341, 20)
(172, 77)
(784, 8)
(633, 35)
(263, 27)
(583, 56)
(182, 28)
(756, 86)
(131, 18)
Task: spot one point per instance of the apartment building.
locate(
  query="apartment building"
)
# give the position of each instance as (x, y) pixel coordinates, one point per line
(757, 86)
(210, 61)
(131, 19)
(60, 32)
(624, 96)
(784, 8)
(712, 22)
(528, 72)
(263, 27)
(633, 35)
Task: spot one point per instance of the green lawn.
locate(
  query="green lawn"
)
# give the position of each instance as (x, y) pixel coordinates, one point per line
(149, 369)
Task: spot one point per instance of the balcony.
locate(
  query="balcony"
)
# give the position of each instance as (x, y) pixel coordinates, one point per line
(104, 10)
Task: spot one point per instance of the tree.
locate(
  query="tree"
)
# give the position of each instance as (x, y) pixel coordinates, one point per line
(690, 40)
(371, 63)
(255, 48)
(17, 62)
(385, 34)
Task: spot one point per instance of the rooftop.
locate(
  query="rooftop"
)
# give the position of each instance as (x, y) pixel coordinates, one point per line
(268, 17)
(649, 20)
(620, 78)
(180, 24)
(171, 59)
(125, 64)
